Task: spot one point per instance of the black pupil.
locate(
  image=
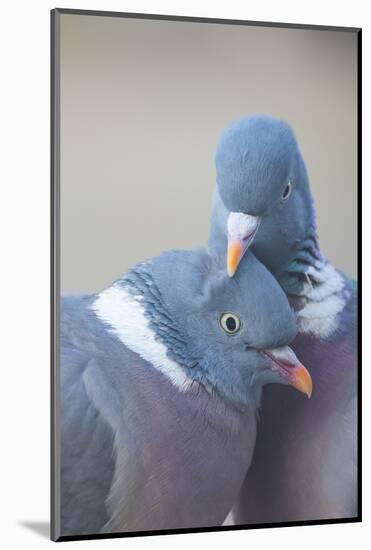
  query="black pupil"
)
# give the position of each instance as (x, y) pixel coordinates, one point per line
(286, 191)
(231, 324)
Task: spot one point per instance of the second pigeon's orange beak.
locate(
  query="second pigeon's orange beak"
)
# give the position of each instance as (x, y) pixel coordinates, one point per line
(242, 229)
(235, 252)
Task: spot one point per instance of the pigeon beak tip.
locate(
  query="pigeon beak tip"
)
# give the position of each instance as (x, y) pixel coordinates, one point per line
(234, 256)
(291, 369)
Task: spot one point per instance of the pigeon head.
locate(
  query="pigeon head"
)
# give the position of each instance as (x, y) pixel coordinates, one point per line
(262, 183)
(229, 334)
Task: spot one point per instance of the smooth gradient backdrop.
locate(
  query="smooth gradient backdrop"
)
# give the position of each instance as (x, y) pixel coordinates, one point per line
(143, 104)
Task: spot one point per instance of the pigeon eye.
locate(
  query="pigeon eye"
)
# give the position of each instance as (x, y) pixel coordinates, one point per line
(286, 192)
(230, 322)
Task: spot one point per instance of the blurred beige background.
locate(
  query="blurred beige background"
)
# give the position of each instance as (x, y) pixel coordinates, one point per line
(143, 104)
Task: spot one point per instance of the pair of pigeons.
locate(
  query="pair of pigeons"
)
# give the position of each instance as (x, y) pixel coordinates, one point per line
(162, 373)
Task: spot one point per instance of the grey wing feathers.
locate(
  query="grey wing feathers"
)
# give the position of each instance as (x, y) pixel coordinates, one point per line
(87, 439)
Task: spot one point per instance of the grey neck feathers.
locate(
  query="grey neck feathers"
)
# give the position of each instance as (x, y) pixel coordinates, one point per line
(307, 275)
(299, 275)
(316, 290)
(141, 285)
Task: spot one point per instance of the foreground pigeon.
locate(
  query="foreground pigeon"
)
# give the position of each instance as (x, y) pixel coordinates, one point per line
(305, 461)
(161, 378)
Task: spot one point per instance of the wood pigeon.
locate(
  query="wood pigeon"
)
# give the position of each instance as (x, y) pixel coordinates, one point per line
(305, 461)
(161, 379)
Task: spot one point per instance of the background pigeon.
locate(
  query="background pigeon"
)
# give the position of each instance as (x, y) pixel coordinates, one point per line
(161, 377)
(305, 462)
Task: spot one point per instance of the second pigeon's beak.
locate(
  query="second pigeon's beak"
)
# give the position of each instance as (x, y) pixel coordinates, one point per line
(288, 366)
(242, 229)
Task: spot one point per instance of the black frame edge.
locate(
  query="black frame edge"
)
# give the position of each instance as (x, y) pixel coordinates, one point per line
(54, 272)
(359, 265)
(195, 19)
(66, 538)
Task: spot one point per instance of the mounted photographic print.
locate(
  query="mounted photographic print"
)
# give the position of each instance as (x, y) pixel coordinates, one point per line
(205, 179)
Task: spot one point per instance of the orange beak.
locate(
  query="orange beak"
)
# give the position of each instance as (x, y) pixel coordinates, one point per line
(285, 362)
(241, 229)
(302, 381)
(235, 252)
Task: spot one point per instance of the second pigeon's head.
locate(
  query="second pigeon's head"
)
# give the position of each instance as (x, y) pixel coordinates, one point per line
(229, 334)
(263, 185)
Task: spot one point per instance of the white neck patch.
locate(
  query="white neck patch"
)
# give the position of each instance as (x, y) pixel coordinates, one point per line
(125, 315)
(325, 301)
